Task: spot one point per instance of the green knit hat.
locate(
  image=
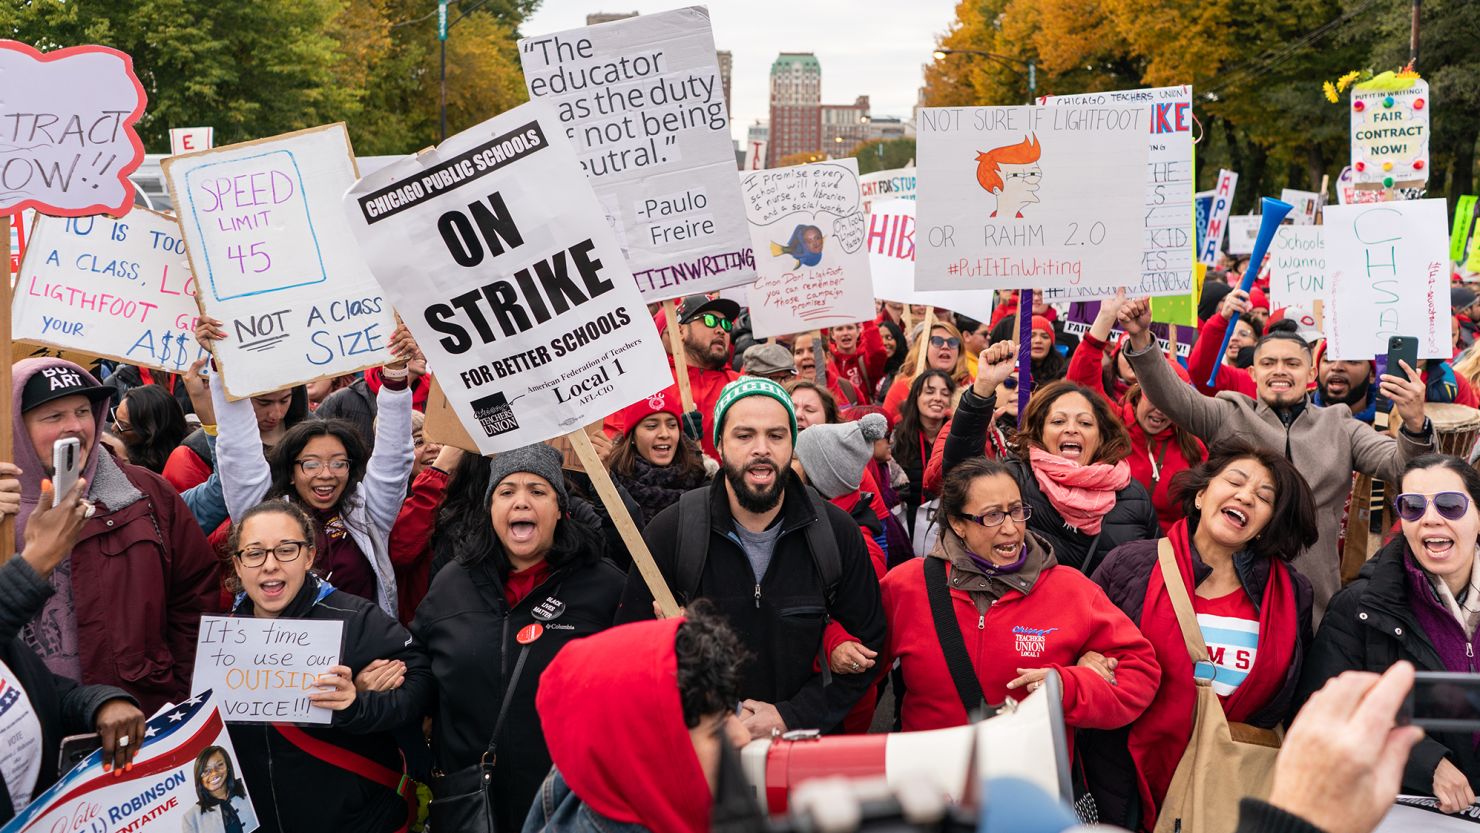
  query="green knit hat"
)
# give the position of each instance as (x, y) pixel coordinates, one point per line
(751, 386)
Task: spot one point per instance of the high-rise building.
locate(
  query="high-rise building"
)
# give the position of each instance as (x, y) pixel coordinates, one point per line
(726, 60)
(844, 126)
(607, 17)
(796, 106)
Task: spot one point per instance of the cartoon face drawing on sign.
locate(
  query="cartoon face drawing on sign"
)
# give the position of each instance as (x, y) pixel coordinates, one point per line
(1011, 174)
(805, 245)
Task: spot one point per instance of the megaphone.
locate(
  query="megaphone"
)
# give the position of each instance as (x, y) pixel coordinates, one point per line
(1273, 213)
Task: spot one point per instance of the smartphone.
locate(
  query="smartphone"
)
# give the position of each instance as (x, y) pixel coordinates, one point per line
(1443, 701)
(66, 465)
(75, 749)
(1401, 349)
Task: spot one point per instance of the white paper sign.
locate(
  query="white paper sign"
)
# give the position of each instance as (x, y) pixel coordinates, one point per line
(1305, 203)
(807, 223)
(1243, 229)
(1390, 136)
(1029, 197)
(891, 257)
(898, 184)
(494, 249)
(120, 289)
(1297, 267)
(191, 139)
(1218, 218)
(262, 670)
(1388, 267)
(642, 101)
(1169, 238)
(755, 158)
(276, 262)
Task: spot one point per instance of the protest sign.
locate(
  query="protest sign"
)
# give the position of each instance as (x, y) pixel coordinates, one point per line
(1305, 202)
(1347, 192)
(642, 102)
(1388, 274)
(1243, 229)
(67, 142)
(1167, 215)
(159, 793)
(755, 158)
(898, 184)
(1462, 232)
(891, 258)
(276, 262)
(1212, 242)
(1029, 197)
(1082, 315)
(1202, 203)
(520, 300)
(1297, 267)
(118, 288)
(807, 226)
(191, 139)
(263, 670)
(1390, 134)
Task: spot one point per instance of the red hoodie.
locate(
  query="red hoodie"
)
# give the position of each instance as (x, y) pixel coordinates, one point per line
(864, 367)
(1206, 354)
(614, 725)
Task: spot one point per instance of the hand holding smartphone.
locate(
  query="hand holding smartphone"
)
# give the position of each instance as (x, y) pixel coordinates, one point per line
(66, 465)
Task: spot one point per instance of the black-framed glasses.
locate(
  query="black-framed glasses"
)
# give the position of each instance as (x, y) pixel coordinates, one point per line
(712, 320)
(310, 467)
(1451, 505)
(996, 517)
(1030, 176)
(114, 423)
(285, 553)
(945, 341)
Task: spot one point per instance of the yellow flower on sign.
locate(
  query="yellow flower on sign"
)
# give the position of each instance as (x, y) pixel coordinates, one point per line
(1330, 90)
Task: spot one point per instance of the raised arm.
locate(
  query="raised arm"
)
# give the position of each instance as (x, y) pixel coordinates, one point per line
(245, 475)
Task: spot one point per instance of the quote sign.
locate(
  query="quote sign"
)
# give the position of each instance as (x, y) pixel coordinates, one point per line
(276, 262)
(117, 288)
(1388, 270)
(898, 184)
(807, 226)
(1390, 136)
(494, 249)
(263, 670)
(1029, 197)
(1168, 241)
(1222, 206)
(67, 138)
(1297, 267)
(643, 103)
(891, 258)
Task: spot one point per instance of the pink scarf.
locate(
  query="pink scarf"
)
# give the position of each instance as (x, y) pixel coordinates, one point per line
(1082, 494)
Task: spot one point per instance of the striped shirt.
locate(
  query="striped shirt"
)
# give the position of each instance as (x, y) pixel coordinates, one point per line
(1230, 627)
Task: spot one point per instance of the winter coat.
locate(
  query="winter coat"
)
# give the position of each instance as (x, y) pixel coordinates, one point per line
(410, 541)
(1131, 519)
(781, 617)
(1325, 444)
(1373, 623)
(656, 488)
(298, 791)
(864, 367)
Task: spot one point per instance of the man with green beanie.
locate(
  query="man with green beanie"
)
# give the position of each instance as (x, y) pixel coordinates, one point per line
(775, 559)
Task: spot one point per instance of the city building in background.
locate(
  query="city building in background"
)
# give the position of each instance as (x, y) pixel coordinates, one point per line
(796, 106)
(726, 62)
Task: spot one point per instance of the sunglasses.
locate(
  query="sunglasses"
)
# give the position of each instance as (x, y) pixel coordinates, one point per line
(712, 320)
(945, 341)
(1010, 383)
(1451, 505)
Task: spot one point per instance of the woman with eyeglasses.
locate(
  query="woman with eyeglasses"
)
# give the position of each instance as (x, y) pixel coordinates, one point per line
(1016, 614)
(925, 413)
(1247, 513)
(353, 497)
(1418, 600)
(347, 774)
(151, 425)
(942, 348)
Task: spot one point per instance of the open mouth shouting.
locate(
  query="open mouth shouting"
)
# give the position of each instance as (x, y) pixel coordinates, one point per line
(760, 476)
(273, 589)
(322, 495)
(1236, 518)
(1438, 547)
(523, 530)
(1280, 384)
(1155, 422)
(1071, 450)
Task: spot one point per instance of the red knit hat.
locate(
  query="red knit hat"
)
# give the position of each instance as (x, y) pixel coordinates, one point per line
(1042, 323)
(665, 401)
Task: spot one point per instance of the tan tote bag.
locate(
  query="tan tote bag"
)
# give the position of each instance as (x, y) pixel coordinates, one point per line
(1224, 761)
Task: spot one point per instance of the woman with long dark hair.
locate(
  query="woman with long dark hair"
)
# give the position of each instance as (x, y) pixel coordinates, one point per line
(925, 412)
(653, 460)
(151, 424)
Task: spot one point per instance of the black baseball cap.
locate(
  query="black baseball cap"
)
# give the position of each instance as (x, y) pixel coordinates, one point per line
(51, 383)
(693, 306)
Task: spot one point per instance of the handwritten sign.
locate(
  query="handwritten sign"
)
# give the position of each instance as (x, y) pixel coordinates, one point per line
(191, 139)
(1390, 136)
(807, 224)
(1348, 192)
(1305, 203)
(159, 794)
(276, 262)
(642, 101)
(1388, 271)
(264, 669)
(67, 139)
(1030, 197)
(891, 258)
(494, 249)
(879, 186)
(115, 288)
(1212, 241)
(1297, 267)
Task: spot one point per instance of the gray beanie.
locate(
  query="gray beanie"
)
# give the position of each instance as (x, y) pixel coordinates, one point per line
(537, 459)
(834, 456)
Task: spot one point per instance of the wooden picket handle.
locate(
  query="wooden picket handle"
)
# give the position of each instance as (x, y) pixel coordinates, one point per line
(925, 339)
(680, 358)
(7, 447)
(617, 510)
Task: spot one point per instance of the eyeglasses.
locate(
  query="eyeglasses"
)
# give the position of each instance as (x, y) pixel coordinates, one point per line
(712, 320)
(996, 517)
(286, 553)
(1451, 505)
(1010, 383)
(311, 466)
(117, 426)
(945, 341)
(1032, 176)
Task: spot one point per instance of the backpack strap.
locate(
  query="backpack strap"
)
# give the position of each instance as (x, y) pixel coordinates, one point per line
(824, 547)
(693, 541)
(1171, 576)
(952, 643)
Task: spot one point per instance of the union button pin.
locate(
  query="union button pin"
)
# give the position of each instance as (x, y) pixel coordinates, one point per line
(529, 633)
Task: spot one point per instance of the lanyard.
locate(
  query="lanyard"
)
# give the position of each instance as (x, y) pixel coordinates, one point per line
(1156, 462)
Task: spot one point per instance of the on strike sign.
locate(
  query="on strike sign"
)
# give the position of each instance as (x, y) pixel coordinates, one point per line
(494, 249)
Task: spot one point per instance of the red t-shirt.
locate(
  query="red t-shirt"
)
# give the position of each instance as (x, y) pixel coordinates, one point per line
(521, 584)
(1230, 627)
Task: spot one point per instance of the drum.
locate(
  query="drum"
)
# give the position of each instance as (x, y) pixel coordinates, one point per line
(1455, 427)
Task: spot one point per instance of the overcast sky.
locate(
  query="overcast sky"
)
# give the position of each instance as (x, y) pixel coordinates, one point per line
(866, 47)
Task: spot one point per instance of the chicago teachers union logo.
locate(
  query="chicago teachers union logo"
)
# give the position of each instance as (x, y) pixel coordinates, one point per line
(1030, 642)
(495, 415)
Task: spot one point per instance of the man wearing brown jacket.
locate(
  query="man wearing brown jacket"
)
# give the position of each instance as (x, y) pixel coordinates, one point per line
(1325, 444)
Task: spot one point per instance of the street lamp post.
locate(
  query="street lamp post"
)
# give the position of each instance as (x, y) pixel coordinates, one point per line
(1030, 64)
(442, 26)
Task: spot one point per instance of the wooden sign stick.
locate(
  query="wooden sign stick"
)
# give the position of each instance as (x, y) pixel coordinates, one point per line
(602, 480)
(680, 358)
(925, 340)
(7, 449)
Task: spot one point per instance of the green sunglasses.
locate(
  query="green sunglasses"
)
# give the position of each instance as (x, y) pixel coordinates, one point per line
(712, 320)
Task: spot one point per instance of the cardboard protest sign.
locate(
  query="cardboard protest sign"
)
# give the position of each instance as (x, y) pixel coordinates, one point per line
(1222, 205)
(1297, 267)
(276, 262)
(160, 793)
(1462, 232)
(67, 142)
(19, 229)
(755, 158)
(807, 224)
(191, 139)
(1305, 203)
(641, 100)
(1390, 135)
(1243, 229)
(879, 186)
(1030, 197)
(263, 670)
(891, 258)
(1348, 192)
(494, 249)
(1202, 204)
(26, 350)
(115, 288)
(1387, 268)
(1168, 238)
